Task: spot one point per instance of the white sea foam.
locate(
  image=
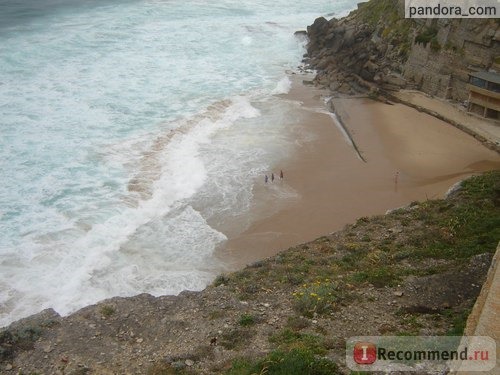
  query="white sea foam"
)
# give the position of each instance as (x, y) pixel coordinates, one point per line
(134, 248)
(283, 86)
(129, 135)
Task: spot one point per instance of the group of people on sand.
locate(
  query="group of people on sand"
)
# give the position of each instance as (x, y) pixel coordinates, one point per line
(266, 178)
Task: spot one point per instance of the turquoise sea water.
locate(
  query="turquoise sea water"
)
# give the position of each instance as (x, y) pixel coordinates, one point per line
(128, 131)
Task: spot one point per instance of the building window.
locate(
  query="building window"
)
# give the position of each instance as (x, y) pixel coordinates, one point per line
(478, 82)
(493, 87)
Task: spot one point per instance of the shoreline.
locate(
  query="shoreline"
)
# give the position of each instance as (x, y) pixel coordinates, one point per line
(426, 154)
(325, 161)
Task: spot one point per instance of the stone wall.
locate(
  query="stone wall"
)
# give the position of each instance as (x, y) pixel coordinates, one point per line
(464, 46)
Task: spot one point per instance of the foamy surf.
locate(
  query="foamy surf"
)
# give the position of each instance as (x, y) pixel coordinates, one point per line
(141, 242)
(132, 134)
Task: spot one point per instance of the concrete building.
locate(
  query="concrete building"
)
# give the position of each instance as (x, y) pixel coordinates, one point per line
(484, 94)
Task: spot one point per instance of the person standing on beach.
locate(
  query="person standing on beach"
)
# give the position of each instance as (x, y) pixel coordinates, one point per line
(272, 177)
(265, 179)
(281, 174)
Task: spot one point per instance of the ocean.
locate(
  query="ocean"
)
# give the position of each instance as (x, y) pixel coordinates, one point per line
(131, 134)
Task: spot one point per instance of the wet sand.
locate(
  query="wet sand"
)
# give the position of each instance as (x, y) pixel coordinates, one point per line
(334, 187)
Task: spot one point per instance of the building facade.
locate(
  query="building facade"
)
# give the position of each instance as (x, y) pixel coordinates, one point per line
(484, 94)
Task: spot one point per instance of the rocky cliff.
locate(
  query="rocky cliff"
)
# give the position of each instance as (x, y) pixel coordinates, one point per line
(375, 47)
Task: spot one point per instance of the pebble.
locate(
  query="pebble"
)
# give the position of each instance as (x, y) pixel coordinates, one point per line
(189, 362)
(398, 293)
(314, 322)
(139, 341)
(47, 349)
(9, 367)
(266, 305)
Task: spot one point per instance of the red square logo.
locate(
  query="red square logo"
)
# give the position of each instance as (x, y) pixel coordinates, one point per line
(365, 353)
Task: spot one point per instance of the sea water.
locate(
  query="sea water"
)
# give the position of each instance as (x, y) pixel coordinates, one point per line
(130, 132)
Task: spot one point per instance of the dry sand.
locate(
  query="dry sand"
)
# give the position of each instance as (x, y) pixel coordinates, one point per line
(334, 186)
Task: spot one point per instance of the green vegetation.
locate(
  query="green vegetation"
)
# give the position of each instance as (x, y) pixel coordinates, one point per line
(21, 339)
(428, 35)
(378, 277)
(468, 227)
(107, 311)
(288, 340)
(247, 320)
(374, 11)
(396, 29)
(318, 297)
(221, 280)
(458, 320)
(293, 362)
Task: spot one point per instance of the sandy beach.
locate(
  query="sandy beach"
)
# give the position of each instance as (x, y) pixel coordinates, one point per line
(408, 156)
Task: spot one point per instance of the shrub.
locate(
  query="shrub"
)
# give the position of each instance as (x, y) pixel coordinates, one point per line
(221, 280)
(107, 311)
(318, 297)
(426, 35)
(247, 320)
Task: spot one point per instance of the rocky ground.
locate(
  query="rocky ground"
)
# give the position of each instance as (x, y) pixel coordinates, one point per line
(416, 270)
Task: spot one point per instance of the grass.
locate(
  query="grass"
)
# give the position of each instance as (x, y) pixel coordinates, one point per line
(107, 311)
(378, 277)
(288, 339)
(246, 320)
(278, 362)
(458, 319)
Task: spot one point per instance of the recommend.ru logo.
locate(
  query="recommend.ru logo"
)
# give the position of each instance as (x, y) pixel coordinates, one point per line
(433, 354)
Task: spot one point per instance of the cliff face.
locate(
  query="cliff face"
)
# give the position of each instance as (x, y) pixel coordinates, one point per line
(376, 47)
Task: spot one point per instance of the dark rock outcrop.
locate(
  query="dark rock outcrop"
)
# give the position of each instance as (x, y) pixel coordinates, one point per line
(375, 47)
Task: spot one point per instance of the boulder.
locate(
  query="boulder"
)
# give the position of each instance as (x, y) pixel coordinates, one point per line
(371, 67)
(395, 80)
